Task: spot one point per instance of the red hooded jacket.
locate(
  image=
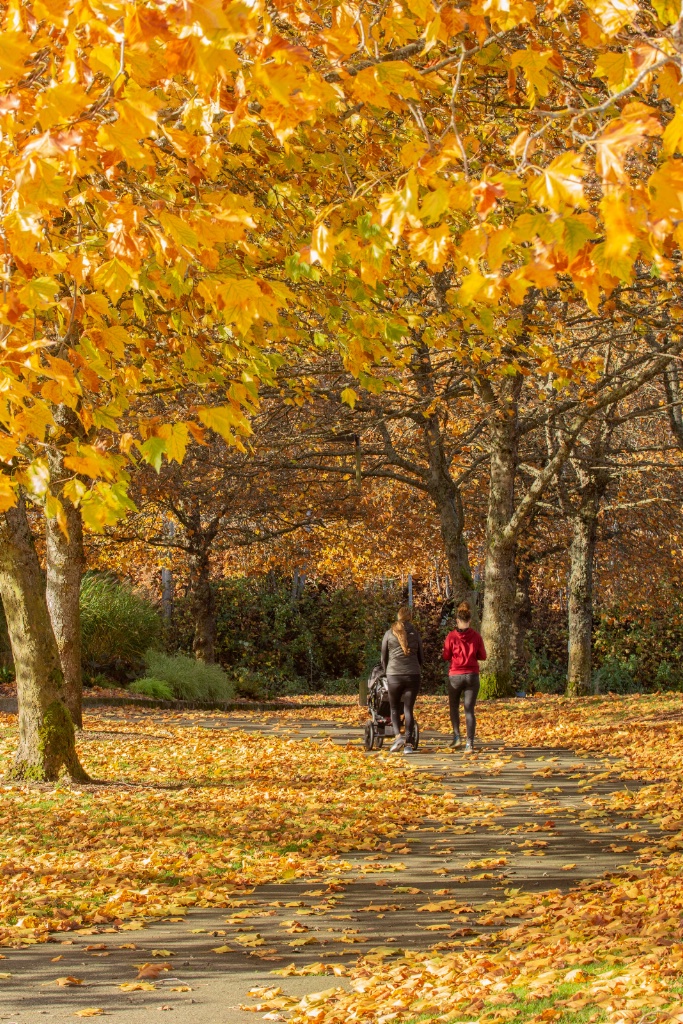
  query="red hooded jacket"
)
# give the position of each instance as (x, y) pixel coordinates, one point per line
(464, 648)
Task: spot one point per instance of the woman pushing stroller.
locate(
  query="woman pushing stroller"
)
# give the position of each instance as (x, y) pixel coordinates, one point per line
(402, 664)
(464, 649)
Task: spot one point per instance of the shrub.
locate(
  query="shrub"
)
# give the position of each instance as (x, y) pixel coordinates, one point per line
(249, 684)
(544, 675)
(616, 676)
(325, 634)
(188, 679)
(117, 626)
(667, 677)
(150, 687)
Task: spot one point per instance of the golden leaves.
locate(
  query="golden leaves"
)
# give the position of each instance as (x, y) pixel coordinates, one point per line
(115, 277)
(16, 47)
(625, 133)
(560, 184)
(534, 64)
(613, 14)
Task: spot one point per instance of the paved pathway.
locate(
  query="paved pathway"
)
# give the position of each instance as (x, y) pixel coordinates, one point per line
(528, 816)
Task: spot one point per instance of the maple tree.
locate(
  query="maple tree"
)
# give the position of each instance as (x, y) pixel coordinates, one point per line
(167, 205)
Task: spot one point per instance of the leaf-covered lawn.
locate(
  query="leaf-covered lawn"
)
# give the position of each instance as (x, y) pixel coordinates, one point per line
(609, 950)
(187, 816)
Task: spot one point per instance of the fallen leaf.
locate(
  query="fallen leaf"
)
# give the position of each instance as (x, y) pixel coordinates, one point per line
(152, 970)
(68, 982)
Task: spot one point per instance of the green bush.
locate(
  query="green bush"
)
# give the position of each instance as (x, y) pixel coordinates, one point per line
(667, 677)
(117, 626)
(149, 687)
(616, 676)
(188, 679)
(271, 644)
(249, 684)
(544, 675)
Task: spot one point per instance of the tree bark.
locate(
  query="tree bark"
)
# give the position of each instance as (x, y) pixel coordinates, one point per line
(448, 501)
(46, 731)
(582, 555)
(65, 564)
(500, 580)
(203, 608)
(521, 622)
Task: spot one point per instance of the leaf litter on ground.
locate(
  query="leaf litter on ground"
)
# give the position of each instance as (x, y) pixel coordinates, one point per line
(222, 815)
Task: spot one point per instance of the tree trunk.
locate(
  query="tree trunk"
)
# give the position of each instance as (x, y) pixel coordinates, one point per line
(521, 622)
(500, 578)
(448, 501)
(65, 564)
(582, 554)
(203, 608)
(46, 731)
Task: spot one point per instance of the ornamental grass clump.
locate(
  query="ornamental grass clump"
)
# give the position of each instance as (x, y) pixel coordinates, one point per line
(187, 678)
(118, 625)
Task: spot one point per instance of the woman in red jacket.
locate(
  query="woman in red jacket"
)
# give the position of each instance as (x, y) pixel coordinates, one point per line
(464, 649)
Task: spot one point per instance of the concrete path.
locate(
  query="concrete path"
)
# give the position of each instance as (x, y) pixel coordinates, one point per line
(528, 817)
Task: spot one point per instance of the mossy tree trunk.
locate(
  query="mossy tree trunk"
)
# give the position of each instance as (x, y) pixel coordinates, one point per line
(46, 730)
(65, 561)
(500, 577)
(593, 484)
(579, 671)
(203, 607)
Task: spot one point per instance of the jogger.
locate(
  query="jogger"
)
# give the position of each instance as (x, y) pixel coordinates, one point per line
(464, 649)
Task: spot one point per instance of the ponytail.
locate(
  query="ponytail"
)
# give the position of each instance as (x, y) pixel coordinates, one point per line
(399, 630)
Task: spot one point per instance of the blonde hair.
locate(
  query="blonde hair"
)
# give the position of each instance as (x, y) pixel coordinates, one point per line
(399, 630)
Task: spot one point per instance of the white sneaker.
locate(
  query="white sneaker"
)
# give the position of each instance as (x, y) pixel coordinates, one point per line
(398, 744)
(408, 749)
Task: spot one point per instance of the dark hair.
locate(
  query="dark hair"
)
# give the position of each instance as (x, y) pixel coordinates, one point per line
(399, 629)
(464, 612)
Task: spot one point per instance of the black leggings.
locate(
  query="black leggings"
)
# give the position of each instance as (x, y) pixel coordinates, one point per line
(403, 689)
(466, 686)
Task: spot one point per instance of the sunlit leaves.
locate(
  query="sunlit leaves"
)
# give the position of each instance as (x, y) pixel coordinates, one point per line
(613, 14)
(560, 184)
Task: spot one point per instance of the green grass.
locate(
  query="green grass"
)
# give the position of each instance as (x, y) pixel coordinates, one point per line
(186, 678)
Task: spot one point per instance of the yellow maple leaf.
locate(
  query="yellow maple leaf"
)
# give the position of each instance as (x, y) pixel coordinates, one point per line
(176, 436)
(16, 47)
(613, 14)
(225, 420)
(672, 139)
(533, 63)
(8, 496)
(615, 68)
(619, 221)
(560, 184)
(114, 277)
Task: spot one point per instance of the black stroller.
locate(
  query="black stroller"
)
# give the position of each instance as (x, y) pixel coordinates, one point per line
(380, 725)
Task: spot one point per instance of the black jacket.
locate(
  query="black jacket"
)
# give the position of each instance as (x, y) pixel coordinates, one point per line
(394, 661)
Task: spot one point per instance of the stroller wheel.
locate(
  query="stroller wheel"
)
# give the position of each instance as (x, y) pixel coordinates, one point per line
(416, 735)
(380, 741)
(369, 736)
